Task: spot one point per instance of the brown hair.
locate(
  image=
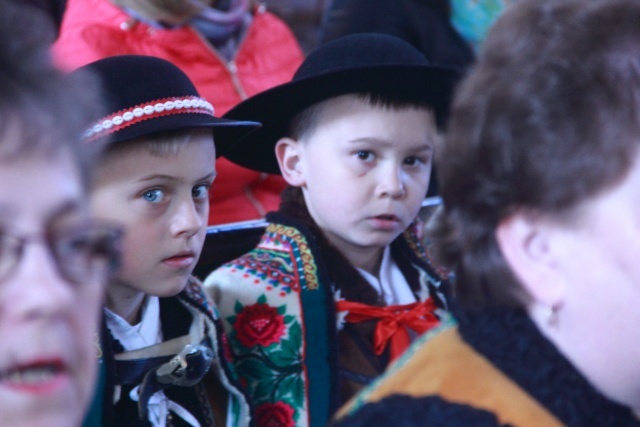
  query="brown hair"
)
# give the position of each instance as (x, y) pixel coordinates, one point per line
(305, 122)
(51, 111)
(165, 143)
(548, 118)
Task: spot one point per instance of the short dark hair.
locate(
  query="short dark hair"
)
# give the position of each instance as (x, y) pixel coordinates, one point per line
(548, 118)
(49, 109)
(306, 121)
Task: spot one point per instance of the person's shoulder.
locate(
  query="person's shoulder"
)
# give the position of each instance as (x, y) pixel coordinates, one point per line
(194, 293)
(411, 411)
(270, 26)
(241, 269)
(90, 30)
(263, 16)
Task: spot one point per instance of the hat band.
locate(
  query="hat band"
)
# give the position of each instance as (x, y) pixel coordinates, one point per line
(151, 110)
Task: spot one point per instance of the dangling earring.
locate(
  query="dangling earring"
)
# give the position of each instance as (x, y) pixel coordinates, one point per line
(552, 315)
(98, 346)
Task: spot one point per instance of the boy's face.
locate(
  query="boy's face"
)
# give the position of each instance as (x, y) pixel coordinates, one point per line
(364, 172)
(48, 355)
(162, 201)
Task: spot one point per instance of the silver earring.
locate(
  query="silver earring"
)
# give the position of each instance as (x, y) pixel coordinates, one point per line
(552, 316)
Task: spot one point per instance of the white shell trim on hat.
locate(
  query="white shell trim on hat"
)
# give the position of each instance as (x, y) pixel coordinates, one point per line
(162, 107)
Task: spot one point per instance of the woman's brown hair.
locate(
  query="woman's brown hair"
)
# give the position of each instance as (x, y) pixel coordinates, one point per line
(548, 118)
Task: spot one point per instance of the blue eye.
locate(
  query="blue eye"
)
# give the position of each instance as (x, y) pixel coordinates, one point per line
(200, 192)
(153, 196)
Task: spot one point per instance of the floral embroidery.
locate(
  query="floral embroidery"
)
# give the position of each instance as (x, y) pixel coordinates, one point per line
(265, 324)
(268, 343)
(277, 414)
(270, 266)
(259, 324)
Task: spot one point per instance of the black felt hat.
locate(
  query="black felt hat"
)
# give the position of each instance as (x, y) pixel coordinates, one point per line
(145, 95)
(359, 63)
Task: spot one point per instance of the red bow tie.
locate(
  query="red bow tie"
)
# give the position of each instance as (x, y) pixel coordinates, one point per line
(393, 322)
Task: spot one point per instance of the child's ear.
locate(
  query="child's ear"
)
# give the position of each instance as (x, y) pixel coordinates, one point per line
(288, 155)
(528, 245)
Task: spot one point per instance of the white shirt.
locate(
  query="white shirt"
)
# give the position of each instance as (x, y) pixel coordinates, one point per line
(146, 333)
(391, 285)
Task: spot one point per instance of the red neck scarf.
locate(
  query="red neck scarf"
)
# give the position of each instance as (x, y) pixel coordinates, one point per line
(394, 322)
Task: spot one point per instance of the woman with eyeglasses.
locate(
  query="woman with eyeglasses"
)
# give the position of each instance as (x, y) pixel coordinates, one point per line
(54, 261)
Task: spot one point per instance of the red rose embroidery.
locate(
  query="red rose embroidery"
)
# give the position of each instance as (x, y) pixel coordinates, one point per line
(277, 414)
(259, 324)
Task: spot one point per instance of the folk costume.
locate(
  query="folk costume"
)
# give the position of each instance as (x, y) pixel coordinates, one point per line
(229, 56)
(490, 368)
(162, 382)
(296, 348)
(309, 329)
(173, 368)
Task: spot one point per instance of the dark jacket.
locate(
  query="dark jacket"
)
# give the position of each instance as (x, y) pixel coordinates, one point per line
(207, 400)
(423, 23)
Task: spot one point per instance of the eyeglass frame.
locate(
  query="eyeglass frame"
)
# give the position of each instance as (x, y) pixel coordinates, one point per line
(112, 236)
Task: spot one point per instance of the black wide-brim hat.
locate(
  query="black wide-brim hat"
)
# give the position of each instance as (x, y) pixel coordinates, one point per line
(359, 63)
(144, 95)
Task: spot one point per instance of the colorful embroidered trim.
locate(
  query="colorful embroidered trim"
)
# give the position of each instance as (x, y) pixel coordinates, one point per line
(306, 269)
(158, 108)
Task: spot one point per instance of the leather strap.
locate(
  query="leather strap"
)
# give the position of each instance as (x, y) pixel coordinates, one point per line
(166, 348)
(181, 361)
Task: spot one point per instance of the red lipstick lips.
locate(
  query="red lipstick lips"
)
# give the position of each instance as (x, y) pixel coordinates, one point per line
(38, 377)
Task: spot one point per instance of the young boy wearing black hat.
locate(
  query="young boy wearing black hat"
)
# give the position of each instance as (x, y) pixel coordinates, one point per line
(339, 283)
(161, 336)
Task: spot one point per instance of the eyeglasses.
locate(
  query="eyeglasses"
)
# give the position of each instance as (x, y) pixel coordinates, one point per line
(83, 253)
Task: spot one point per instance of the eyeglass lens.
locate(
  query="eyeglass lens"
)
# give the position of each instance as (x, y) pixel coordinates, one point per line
(84, 253)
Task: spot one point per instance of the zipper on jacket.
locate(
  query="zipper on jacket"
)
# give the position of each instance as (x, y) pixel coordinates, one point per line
(230, 65)
(233, 71)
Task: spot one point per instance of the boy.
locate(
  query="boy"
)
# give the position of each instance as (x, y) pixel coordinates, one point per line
(539, 175)
(339, 283)
(54, 259)
(161, 335)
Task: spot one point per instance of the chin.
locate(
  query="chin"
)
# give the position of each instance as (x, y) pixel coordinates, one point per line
(67, 416)
(55, 421)
(171, 289)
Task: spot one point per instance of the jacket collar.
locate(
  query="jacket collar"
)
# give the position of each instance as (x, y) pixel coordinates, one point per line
(511, 341)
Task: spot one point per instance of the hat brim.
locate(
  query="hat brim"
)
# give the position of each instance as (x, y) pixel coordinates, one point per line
(276, 107)
(226, 132)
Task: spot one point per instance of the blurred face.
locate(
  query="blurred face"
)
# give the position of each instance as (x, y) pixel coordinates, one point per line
(365, 173)
(162, 201)
(48, 355)
(599, 314)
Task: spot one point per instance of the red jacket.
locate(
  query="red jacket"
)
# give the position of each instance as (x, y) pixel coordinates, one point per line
(268, 55)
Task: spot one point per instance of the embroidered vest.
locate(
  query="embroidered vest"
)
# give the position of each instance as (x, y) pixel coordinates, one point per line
(278, 307)
(441, 363)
